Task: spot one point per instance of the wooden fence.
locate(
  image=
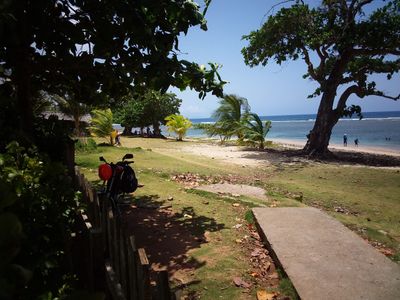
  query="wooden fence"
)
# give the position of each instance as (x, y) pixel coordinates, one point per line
(108, 255)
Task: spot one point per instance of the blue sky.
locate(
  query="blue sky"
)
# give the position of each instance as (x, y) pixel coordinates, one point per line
(271, 90)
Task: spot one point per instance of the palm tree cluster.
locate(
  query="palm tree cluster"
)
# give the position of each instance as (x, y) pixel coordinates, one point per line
(233, 118)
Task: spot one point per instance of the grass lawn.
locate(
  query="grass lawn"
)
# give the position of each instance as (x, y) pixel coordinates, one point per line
(365, 199)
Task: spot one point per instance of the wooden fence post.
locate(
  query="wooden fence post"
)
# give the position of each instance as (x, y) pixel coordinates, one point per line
(122, 258)
(143, 275)
(131, 268)
(163, 290)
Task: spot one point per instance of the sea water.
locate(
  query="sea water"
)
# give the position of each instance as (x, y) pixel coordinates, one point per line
(375, 129)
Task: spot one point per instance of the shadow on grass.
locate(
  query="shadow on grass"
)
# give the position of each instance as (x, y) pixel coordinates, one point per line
(167, 236)
(337, 156)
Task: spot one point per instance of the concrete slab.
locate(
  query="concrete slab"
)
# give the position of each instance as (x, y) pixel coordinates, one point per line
(323, 258)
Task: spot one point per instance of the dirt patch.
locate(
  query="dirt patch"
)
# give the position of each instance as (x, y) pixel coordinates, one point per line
(168, 236)
(235, 190)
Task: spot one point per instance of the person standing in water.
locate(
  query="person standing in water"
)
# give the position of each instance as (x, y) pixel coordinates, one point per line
(356, 142)
(345, 140)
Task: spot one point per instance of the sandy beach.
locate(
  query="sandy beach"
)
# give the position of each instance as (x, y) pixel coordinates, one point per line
(244, 156)
(350, 148)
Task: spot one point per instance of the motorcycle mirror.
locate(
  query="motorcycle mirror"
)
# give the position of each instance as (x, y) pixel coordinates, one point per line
(127, 156)
(101, 158)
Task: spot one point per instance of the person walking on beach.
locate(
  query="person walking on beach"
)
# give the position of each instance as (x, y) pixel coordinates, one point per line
(345, 140)
(117, 139)
(356, 142)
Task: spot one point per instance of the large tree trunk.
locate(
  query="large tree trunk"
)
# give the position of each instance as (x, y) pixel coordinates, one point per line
(156, 129)
(127, 130)
(22, 77)
(319, 136)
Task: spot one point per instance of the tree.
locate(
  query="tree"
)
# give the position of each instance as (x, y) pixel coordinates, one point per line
(102, 47)
(341, 46)
(178, 124)
(101, 124)
(255, 131)
(149, 109)
(230, 115)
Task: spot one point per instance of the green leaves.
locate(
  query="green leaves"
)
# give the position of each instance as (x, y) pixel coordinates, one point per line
(101, 123)
(147, 109)
(178, 124)
(341, 47)
(36, 214)
(255, 131)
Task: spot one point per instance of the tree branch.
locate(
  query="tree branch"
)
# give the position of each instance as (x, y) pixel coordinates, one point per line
(354, 89)
(360, 92)
(374, 52)
(381, 94)
(361, 4)
(311, 69)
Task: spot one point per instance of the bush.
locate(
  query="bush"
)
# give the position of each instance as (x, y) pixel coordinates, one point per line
(36, 216)
(85, 145)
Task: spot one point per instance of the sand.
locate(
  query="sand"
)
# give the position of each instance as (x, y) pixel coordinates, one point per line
(350, 148)
(247, 157)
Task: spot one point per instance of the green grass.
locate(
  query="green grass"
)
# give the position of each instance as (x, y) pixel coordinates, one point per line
(370, 195)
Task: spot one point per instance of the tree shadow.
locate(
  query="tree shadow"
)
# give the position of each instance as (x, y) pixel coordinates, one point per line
(336, 156)
(167, 236)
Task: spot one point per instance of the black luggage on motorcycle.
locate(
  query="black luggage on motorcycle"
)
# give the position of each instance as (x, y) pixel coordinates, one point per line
(128, 181)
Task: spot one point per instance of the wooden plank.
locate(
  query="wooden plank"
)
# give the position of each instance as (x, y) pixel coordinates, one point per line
(143, 274)
(132, 283)
(110, 233)
(96, 211)
(115, 244)
(123, 275)
(104, 224)
(112, 282)
(90, 257)
(163, 289)
(96, 236)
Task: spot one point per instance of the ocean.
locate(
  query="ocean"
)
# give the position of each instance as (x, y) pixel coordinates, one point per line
(376, 129)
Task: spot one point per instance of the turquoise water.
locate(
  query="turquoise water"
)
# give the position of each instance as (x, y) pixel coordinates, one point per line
(376, 129)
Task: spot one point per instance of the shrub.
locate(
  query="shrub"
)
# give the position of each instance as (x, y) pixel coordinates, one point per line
(85, 145)
(36, 216)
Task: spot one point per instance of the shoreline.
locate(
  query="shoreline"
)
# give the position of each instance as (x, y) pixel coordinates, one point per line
(295, 144)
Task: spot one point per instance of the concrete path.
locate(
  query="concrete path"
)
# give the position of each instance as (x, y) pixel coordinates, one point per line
(324, 259)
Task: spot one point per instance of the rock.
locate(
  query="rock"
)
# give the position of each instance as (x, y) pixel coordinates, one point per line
(170, 198)
(237, 226)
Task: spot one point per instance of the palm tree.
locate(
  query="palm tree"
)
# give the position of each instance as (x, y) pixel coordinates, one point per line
(255, 131)
(231, 114)
(178, 124)
(101, 124)
(69, 106)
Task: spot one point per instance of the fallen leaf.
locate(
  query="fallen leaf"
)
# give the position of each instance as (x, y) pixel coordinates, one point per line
(235, 204)
(264, 295)
(188, 216)
(254, 274)
(239, 282)
(256, 252)
(238, 241)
